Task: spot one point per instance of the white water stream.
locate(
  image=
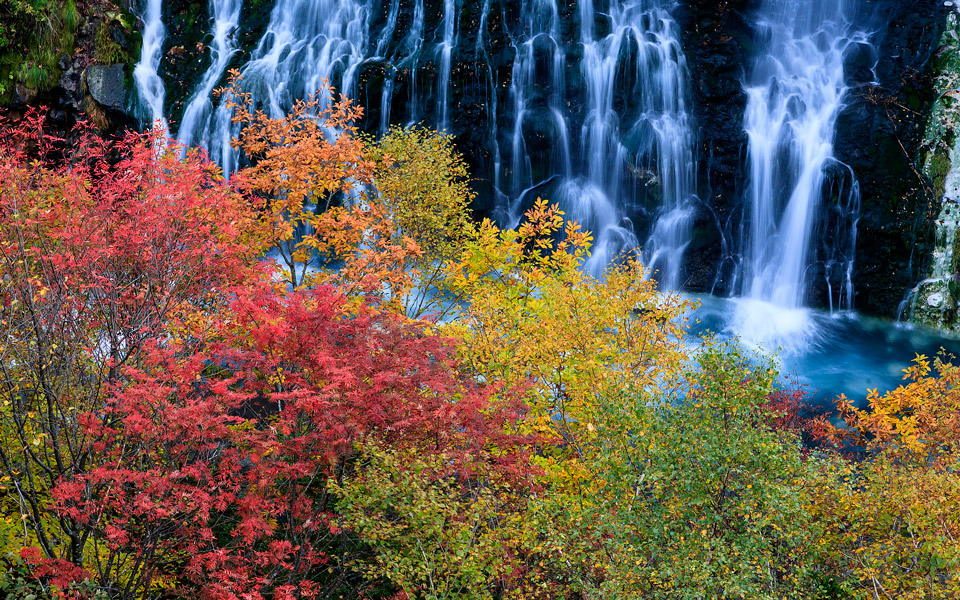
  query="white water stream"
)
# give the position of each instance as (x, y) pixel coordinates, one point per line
(197, 124)
(150, 89)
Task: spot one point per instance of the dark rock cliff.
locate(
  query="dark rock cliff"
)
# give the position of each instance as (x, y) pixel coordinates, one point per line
(880, 135)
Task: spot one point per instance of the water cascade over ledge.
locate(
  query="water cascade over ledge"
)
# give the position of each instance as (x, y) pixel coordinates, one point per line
(796, 90)
(150, 89)
(197, 125)
(594, 112)
(307, 43)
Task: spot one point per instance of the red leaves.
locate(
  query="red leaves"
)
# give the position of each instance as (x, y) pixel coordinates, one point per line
(246, 433)
(60, 573)
(195, 411)
(790, 410)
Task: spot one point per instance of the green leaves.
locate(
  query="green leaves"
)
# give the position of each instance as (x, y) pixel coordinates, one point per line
(435, 534)
(694, 495)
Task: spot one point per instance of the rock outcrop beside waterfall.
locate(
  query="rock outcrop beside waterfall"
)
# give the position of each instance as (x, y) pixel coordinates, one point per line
(881, 136)
(935, 300)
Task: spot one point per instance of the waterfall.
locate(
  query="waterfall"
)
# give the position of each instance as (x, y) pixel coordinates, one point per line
(795, 92)
(150, 89)
(196, 124)
(616, 144)
(412, 45)
(450, 13)
(655, 132)
(491, 95)
(664, 110)
(389, 80)
(540, 27)
(307, 43)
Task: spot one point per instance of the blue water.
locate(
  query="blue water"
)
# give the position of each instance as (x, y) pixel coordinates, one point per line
(828, 354)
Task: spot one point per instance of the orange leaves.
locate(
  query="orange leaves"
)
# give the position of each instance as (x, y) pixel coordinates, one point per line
(895, 516)
(303, 156)
(374, 261)
(920, 419)
(312, 169)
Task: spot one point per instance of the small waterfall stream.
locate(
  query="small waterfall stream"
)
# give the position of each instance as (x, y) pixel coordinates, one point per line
(307, 43)
(196, 125)
(450, 14)
(150, 89)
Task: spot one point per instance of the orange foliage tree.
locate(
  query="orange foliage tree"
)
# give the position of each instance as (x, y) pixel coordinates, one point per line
(894, 514)
(305, 166)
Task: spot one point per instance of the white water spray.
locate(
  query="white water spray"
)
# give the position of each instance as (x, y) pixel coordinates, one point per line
(795, 93)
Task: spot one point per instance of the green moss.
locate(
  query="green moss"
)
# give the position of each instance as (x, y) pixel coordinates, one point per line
(108, 51)
(47, 29)
(937, 169)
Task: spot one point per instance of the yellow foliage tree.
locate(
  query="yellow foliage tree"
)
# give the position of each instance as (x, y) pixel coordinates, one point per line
(530, 315)
(421, 181)
(894, 515)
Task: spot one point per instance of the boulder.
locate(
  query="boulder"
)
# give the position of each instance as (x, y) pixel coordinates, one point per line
(106, 85)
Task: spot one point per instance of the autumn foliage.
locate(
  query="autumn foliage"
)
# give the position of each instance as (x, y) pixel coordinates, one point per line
(324, 379)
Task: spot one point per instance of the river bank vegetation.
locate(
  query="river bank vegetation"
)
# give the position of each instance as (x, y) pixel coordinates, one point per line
(324, 379)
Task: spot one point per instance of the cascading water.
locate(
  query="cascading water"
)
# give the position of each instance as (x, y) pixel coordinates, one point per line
(665, 116)
(450, 14)
(410, 59)
(795, 92)
(618, 143)
(482, 50)
(536, 93)
(307, 43)
(655, 132)
(150, 89)
(196, 124)
(383, 44)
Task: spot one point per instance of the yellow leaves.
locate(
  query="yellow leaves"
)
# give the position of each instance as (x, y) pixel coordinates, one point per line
(918, 370)
(531, 316)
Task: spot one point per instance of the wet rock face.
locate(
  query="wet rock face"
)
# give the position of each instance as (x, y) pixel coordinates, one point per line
(718, 39)
(185, 56)
(934, 300)
(880, 136)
